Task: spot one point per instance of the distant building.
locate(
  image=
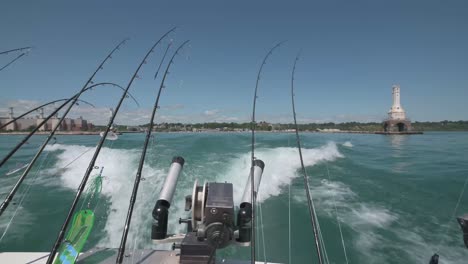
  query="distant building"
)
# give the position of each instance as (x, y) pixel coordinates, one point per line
(68, 124)
(325, 130)
(397, 120)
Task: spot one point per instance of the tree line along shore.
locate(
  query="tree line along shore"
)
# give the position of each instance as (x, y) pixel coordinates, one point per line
(273, 127)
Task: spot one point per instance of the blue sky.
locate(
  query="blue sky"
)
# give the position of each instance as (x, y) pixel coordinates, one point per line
(352, 53)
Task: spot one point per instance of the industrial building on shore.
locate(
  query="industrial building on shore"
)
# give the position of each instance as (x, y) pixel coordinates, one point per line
(68, 124)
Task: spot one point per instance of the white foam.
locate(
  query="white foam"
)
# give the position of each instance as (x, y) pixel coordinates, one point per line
(120, 166)
(329, 194)
(281, 165)
(348, 144)
(365, 219)
(369, 221)
(371, 216)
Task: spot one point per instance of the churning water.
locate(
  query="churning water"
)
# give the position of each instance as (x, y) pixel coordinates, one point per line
(394, 195)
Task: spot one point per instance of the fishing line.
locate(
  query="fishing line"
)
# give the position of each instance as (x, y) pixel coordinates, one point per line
(337, 219)
(79, 156)
(289, 221)
(289, 212)
(320, 237)
(253, 158)
(324, 249)
(133, 197)
(91, 193)
(263, 232)
(75, 159)
(92, 163)
(310, 202)
(447, 226)
(135, 239)
(74, 99)
(218, 240)
(24, 195)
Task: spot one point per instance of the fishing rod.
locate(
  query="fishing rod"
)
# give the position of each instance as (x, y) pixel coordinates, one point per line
(35, 109)
(65, 99)
(73, 99)
(18, 146)
(96, 154)
(12, 61)
(133, 197)
(313, 214)
(162, 60)
(13, 50)
(20, 180)
(253, 194)
(17, 58)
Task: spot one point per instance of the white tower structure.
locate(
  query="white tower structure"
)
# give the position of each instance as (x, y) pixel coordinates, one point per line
(40, 119)
(11, 126)
(396, 112)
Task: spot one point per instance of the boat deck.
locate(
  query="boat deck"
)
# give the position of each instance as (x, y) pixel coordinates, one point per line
(108, 256)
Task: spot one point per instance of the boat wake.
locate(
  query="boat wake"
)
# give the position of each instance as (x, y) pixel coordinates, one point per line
(376, 230)
(120, 167)
(373, 227)
(281, 165)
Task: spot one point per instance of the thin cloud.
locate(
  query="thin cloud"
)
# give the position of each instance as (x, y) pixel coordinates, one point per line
(211, 113)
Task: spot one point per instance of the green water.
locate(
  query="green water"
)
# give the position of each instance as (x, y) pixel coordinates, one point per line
(394, 195)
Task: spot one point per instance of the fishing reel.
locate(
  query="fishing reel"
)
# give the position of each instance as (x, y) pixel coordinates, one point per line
(212, 216)
(212, 223)
(463, 221)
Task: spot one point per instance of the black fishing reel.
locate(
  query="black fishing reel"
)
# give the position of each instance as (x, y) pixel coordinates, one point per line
(463, 221)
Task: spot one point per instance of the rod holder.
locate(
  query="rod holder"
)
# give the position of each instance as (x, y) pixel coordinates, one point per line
(258, 167)
(244, 215)
(161, 209)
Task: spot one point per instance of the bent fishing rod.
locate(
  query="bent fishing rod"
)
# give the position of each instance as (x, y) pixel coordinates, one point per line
(13, 50)
(32, 110)
(120, 254)
(18, 146)
(310, 203)
(162, 60)
(73, 99)
(17, 57)
(253, 195)
(96, 154)
(20, 180)
(59, 100)
(12, 61)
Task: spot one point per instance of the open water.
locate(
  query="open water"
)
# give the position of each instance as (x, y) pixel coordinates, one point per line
(394, 195)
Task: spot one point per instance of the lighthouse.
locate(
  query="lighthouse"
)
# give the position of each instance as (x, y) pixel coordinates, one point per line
(397, 120)
(396, 111)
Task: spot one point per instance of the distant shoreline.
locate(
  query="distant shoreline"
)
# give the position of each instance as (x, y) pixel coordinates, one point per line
(96, 133)
(74, 133)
